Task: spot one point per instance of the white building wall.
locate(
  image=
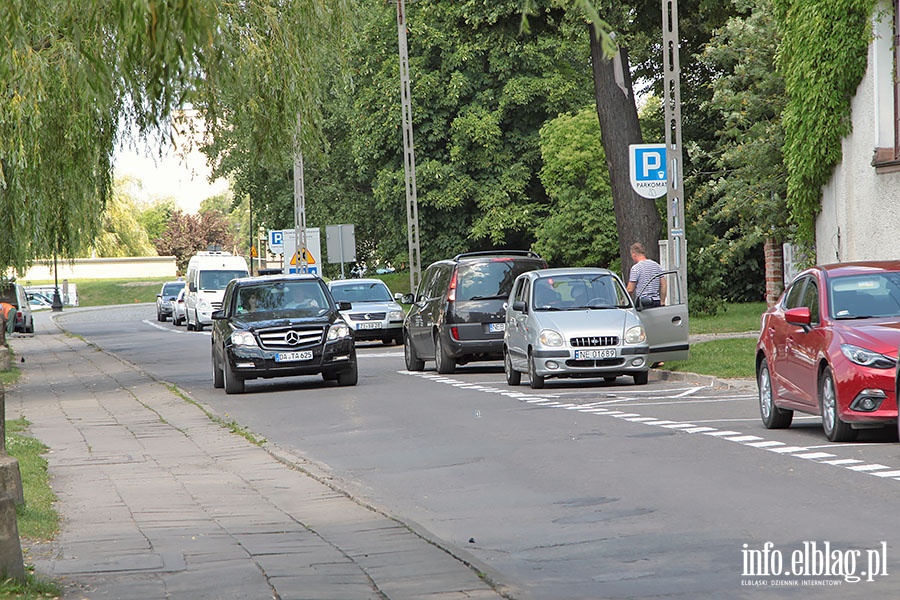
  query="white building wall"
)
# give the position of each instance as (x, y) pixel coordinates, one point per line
(860, 217)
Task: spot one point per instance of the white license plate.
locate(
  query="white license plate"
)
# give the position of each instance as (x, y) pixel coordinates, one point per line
(372, 325)
(594, 354)
(496, 327)
(294, 356)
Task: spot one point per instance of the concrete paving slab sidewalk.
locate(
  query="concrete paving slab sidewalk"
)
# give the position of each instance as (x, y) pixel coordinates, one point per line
(158, 501)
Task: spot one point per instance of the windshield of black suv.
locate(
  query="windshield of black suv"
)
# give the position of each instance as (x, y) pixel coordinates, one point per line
(286, 298)
(372, 291)
(579, 292)
(490, 279)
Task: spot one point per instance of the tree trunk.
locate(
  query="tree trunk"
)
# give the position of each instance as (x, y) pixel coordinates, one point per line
(636, 217)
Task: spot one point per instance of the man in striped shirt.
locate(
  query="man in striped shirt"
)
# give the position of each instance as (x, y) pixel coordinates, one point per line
(643, 278)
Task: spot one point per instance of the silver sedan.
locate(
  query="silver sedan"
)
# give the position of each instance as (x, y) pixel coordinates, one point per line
(581, 322)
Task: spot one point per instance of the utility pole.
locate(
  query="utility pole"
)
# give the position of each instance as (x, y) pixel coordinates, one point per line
(299, 206)
(409, 158)
(672, 105)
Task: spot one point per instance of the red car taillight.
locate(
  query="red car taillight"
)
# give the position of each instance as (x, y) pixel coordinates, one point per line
(451, 292)
(454, 333)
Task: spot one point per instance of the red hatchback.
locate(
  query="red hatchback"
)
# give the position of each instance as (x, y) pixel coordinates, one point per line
(829, 347)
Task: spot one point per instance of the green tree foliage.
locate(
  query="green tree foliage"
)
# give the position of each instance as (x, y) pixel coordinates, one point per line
(70, 69)
(578, 188)
(481, 90)
(155, 218)
(742, 203)
(73, 70)
(822, 57)
(121, 232)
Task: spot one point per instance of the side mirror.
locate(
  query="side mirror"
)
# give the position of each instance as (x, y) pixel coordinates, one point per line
(798, 316)
(217, 315)
(344, 305)
(399, 297)
(192, 286)
(519, 306)
(407, 298)
(159, 295)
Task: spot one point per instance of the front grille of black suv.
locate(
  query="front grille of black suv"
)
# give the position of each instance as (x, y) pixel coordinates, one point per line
(291, 338)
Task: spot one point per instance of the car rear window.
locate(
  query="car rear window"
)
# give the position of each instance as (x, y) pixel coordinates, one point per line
(361, 292)
(490, 279)
(172, 289)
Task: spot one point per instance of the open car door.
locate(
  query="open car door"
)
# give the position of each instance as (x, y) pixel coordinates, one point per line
(667, 325)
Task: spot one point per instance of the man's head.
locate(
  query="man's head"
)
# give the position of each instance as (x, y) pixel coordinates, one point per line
(638, 251)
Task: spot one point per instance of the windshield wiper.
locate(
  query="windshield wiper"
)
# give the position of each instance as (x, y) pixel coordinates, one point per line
(494, 297)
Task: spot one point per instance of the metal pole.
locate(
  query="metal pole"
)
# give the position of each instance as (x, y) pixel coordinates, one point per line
(409, 158)
(299, 207)
(672, 105)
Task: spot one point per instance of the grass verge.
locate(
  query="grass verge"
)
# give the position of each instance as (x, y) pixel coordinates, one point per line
(728, 359)
(37, 518)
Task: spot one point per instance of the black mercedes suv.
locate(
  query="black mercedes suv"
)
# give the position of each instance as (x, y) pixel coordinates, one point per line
(280, 326)
(458, 312)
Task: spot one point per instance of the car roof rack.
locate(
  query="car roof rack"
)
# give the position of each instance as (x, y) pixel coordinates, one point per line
(527, 253)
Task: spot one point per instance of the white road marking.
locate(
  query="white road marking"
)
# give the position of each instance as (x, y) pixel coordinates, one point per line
(810, 453)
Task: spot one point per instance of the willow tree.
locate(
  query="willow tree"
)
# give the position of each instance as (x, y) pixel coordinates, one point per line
(74, 71)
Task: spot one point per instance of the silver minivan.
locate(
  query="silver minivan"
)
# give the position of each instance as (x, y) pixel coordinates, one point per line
(581, 322)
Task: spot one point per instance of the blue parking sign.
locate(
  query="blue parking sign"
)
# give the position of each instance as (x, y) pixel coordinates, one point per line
(649, 177)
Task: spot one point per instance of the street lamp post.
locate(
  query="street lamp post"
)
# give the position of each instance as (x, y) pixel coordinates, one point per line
(56, 305)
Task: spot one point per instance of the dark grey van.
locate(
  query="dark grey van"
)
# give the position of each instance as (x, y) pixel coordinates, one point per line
(459, 309)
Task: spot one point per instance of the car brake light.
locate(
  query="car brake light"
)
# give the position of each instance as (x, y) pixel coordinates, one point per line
(451, 292)
(454, 333)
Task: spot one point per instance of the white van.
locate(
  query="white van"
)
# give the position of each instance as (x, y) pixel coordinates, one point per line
(207, 275)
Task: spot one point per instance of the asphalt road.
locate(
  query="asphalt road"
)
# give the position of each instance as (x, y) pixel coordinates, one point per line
(585, 490)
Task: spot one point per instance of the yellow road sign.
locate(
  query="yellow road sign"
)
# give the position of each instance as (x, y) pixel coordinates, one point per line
(306, 254)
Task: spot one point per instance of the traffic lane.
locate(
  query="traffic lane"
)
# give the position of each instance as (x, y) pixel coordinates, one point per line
(466, 465)
(712, 493)
(733, 415)
(132, 332)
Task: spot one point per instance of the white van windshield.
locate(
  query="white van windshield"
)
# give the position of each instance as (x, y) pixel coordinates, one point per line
(217, 280)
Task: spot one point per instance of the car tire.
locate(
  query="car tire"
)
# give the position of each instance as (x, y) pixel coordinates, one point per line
(198, 326)
(30, 328)
(444, 364)
(641, 378)
(159, 316)
(835, 429)
(348, 377)
(773, 417)
(413, 362)
(513, 377)
(218, 375)
(233, 383)
(187, 320)
(536, 381)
